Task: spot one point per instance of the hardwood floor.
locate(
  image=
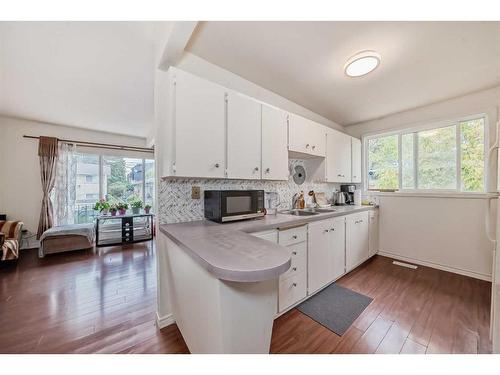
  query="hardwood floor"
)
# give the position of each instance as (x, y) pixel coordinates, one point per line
(83, 302)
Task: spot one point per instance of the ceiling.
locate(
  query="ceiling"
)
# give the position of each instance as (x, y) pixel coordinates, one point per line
(95, 75)
(422, 62)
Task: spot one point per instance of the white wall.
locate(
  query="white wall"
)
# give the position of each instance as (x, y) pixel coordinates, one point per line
(20, 186)
(446, 233)
(202, 68)
(443, 232)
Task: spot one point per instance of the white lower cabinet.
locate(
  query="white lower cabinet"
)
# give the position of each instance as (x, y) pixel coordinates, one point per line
(326, 256)
(356, 232)
(373, 236)
(293, 283)
(323, 251)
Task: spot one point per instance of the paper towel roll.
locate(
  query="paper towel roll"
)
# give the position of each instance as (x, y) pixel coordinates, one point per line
(357, 197)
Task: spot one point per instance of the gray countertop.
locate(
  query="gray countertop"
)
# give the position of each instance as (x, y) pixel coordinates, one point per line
(230, 253)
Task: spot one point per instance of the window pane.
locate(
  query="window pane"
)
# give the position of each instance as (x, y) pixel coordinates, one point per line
(150, 182)
(407, 161)
(437, 158)
(87, 187)
(122, 179)
(472, 154)
(383, 169)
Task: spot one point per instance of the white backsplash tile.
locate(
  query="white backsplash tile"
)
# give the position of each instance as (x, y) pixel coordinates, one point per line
(176, 204)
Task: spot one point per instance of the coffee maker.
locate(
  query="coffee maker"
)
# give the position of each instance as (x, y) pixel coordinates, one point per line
(348, 191)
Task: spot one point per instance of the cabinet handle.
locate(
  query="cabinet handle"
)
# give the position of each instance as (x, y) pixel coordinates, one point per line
(268, 170)
(294, 269)
(326, 230)
(294, 285)
(314, 147)
(217, 165)
(332, 230)
(256, 169)
(294, 253)
(339, 175)
(307, 146)
(294, 236)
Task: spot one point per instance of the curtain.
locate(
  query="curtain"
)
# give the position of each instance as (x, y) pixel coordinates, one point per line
(65, 185)
(47, 152)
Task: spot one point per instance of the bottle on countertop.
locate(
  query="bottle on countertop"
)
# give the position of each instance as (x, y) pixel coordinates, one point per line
(301, 202)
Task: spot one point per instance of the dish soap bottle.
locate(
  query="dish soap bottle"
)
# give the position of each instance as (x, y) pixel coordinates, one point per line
(301, 202)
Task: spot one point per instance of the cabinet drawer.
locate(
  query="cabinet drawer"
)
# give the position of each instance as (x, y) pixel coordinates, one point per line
(292, 290)
(298, 255)
(292, 236)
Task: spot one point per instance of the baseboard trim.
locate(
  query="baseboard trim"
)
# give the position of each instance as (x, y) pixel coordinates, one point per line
(164, 321)
(441, 267)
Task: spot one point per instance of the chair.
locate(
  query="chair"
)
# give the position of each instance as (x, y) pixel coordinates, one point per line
(10, 239)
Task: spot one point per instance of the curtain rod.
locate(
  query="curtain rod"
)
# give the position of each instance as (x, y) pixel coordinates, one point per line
(108, 146)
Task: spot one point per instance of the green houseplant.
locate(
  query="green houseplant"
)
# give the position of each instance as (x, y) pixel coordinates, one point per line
(113, 209)
(147, 208)
(102, 206)
(136, 206)
(122, 208)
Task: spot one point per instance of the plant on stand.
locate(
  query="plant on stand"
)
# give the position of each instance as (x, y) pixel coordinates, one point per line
(136, 206)
(113, 209)
(102, 206)
(147, 208)
(122, 208)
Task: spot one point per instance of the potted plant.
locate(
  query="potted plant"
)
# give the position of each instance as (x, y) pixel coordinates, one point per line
(122, 208)
(147, 208)
(136, 206)
(113, 209)
(102, 206)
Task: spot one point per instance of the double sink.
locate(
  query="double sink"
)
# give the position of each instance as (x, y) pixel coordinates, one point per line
(308, 211)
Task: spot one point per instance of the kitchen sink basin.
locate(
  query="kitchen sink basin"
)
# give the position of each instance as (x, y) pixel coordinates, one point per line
(321, 210)
(300, 213)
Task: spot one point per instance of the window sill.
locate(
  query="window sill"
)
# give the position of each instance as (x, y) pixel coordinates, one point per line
(432, 194)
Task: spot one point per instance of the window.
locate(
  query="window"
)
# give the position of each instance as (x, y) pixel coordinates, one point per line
(383, 169)
(113, 178)
(445, 158)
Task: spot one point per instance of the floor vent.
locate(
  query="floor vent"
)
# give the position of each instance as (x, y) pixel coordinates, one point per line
(407, 265)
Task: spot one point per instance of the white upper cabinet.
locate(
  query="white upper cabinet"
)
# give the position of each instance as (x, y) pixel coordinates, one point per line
(306, 136)
(356, 160)
(199, 127)
(338, 156)
(274, 144)
(243, 137)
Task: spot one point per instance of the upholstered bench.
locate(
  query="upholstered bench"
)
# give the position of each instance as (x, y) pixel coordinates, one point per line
(66, 238)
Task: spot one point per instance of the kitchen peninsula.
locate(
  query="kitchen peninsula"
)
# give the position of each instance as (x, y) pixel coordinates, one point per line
(223, 283)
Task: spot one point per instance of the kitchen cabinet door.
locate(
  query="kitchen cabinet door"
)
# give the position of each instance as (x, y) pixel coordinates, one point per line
(373, 244)
(306, 136)
(337, 234)
(243, 137)
(356, 160)
(274, 144)
(356, 239)
(338, 157)
(320, 255)
(199, 120)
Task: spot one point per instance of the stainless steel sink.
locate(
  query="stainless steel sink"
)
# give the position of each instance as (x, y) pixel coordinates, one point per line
(300, 213)
(321, 210)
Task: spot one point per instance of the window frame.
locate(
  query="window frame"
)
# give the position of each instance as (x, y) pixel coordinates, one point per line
(423, 127)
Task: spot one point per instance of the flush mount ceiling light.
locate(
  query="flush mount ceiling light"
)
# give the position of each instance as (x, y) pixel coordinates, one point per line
(362, 63)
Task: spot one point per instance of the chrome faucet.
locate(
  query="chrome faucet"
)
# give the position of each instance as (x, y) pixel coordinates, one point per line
(295, 199)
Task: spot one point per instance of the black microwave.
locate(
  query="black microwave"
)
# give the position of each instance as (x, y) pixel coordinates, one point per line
(230, 205)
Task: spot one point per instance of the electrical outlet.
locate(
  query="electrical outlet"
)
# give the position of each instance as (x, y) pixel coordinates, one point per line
(195, 192)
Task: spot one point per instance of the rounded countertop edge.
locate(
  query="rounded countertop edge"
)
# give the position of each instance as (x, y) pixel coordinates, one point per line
(232, 275)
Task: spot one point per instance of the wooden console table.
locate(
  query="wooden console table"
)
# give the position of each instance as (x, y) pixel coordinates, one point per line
(123, 229)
